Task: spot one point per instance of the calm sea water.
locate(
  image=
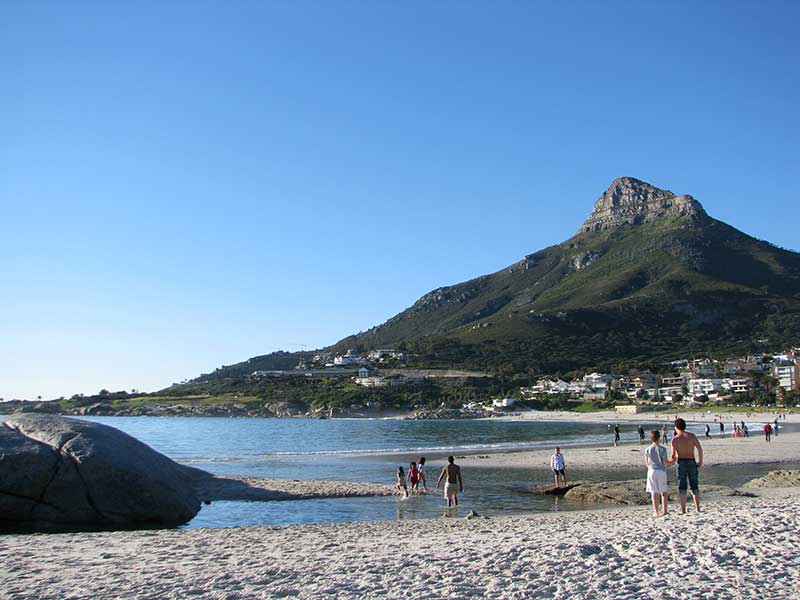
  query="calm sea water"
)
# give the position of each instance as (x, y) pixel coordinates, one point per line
(367, 450)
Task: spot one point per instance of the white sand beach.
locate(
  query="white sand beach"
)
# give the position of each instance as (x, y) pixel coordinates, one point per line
(717, 450)
(737, 548)
(270, 489)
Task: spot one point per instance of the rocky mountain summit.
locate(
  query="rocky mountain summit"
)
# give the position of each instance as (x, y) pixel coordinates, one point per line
(629, 201)
(649, 276)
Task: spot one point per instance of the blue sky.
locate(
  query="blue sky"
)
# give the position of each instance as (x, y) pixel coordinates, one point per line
(188, 184)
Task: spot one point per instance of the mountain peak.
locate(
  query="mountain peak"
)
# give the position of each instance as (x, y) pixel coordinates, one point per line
(630, 201)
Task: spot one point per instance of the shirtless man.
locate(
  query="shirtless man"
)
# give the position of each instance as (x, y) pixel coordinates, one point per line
(453, 473)
(683, 445)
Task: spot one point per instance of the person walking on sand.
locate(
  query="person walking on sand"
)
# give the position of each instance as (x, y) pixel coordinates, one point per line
(423, 476)
(557, 465)
(768, 432)
(452, 473)
(683, 447)
(655, 458)
(641, 434)
(721, 428)
(775, 427)
(664, 436)
(708, 430)
(616, 434)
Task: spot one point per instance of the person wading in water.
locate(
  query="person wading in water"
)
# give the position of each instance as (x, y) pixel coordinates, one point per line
(452, 473)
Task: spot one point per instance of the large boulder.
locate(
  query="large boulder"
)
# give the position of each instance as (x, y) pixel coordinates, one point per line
(62, 473)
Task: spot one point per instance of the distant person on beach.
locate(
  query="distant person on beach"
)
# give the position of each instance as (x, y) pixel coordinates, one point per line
(413, 477)
(768, 432)
(401, 483)
(708, 430)
(655, 458)
(616, 434)
(641, 434)
(721, 429)
(683, 448)
(664, 434)
(745, 431)
(423, 476)
(775, 427)
(557, 465)
(452, 474)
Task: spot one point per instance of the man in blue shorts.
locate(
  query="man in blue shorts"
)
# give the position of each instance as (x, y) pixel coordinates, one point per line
(683, 446)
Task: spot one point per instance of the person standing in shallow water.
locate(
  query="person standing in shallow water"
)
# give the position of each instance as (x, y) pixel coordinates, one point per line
(641, 434)
(400, 486)
(557, 466)
(683, 447)
(452, 473)
(423, 475)
(413, 478)
(616, 434)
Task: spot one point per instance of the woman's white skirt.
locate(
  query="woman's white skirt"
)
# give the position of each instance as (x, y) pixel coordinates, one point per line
(656, 481)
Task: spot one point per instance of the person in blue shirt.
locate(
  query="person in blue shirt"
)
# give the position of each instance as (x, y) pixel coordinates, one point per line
(557, 465)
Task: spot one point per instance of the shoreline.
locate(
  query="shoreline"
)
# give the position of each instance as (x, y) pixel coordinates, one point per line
(727, 413)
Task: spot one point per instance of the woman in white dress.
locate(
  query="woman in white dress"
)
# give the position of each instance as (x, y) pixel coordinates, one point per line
(655, 457)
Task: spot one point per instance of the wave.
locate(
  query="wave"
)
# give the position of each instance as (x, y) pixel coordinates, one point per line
(419, 450)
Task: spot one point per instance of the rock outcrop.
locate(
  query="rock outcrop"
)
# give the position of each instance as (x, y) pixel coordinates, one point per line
(629, 491)
(628, 201)
(776, 479)
(61, 473)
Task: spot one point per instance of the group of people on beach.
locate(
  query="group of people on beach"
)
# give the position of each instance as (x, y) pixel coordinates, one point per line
(681, 453)
(657, 458)
(740, 429)
(451, 475)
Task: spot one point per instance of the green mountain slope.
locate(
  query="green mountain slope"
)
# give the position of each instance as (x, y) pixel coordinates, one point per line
(648, 276)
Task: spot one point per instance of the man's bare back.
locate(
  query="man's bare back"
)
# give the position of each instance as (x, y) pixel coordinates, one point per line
(453, 473)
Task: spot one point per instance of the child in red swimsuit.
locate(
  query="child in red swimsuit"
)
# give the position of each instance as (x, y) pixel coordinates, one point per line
(413, 478)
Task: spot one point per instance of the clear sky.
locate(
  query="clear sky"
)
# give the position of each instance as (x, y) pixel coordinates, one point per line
(188, 184)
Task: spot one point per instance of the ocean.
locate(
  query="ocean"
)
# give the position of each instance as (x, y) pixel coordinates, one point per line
(370, 450)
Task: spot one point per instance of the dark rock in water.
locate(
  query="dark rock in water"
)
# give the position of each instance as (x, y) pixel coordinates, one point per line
(552, 490)
(61, 473)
